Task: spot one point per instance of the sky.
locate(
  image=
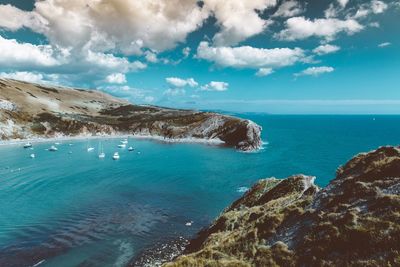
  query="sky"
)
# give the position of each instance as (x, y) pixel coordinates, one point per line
(274, 56)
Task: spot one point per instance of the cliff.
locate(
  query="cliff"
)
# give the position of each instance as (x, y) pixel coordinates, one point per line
(30, 110)
(354, 221)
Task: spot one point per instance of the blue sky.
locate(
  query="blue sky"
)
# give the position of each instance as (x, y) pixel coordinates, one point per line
(288, 56)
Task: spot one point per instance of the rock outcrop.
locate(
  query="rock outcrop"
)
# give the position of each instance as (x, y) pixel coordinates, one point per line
(354, 221)
(30, 110)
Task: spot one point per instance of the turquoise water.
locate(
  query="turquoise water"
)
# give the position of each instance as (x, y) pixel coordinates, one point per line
(63, 209)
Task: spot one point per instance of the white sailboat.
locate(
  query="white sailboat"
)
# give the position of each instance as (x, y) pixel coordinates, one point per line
(115, 156)
(88, 147)
(28, 145)
(131, 148)
(102, 155)
(125, 141)
(122, 145)
(53, 148)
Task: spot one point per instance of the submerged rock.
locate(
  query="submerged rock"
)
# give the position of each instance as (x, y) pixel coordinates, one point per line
(30, 110)
(354, 221)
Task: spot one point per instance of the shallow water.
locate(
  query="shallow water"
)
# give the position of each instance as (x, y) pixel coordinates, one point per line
(63, 209)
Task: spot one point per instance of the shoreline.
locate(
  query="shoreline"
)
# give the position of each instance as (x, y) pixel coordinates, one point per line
(214, 142)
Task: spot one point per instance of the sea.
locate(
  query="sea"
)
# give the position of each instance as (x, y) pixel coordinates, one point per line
(70, 208)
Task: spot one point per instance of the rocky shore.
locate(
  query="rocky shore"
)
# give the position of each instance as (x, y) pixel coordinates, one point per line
(29, 111)
(354, 221)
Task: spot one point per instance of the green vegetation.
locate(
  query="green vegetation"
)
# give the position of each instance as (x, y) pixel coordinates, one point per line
(354, 221)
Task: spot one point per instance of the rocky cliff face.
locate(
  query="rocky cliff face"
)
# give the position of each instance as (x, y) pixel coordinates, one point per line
(354, 221)
(30, 110)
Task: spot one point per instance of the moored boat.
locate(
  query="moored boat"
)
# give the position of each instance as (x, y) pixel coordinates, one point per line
(115, 156)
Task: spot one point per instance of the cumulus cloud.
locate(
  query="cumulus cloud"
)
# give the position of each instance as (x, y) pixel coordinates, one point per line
(238, 19)
(12, 18)
(151, 57)
(315, 71)
(249, 57)
(157, 25)
(343, 3)
(374, 7)
(14, 53)
(378, 6)
(326, 49)
(23, 76)
(153, 24)
(385, 44)
(118, 78)
(298, 28)
(178, 82)
(264, 72)
(215, 86)
(16, 56)
(289, 9)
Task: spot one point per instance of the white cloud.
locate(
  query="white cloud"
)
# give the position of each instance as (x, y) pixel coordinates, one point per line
(15, 54)
(238, 19)
(375, 7)
(215, 86)
(175, 92)
(151, 56)
(315, 71)
(186, 52)
(385, 44)
(343, 3)
(149, 99)
(86, 64)
(326, 49)
(249, 57)
(132, 94)
(298, 28)
(23, 76)
(12, 18)
(118, 78)
(157, 25)
(331, 11)
(289, 8)
(362, 12)
(264, 72)
(378, 6)
(178, 82)
(109, 61)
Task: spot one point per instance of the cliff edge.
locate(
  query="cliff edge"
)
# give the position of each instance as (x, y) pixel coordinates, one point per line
(31, 110)
(354, 221)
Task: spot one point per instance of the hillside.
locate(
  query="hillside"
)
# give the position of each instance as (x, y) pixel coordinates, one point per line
(354, 221)
(31, 110)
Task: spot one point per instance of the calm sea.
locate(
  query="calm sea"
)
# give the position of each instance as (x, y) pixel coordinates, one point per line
(70, 208)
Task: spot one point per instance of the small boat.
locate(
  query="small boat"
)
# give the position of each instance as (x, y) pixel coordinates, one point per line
(131, 148)
(28, 145)
(88, 147)
(57, 143)
(32, 156)
(122, 145)
(125, 141)
(102, 155)
(53, 148)
(115, 156)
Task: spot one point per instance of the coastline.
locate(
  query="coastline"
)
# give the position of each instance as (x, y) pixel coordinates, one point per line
(214, 142)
